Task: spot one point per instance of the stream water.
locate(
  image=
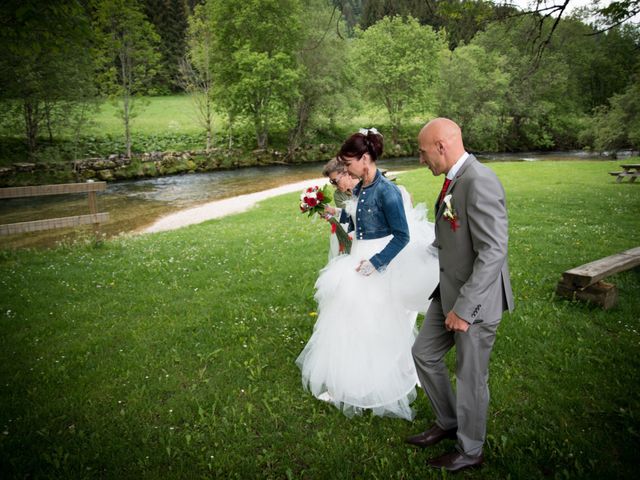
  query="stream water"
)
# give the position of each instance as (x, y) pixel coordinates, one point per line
(137, 203)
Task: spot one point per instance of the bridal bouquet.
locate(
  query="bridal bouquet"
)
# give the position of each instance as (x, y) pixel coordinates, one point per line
(313, 200)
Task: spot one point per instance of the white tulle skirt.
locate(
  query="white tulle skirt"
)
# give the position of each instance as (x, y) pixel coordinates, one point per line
(359, 355)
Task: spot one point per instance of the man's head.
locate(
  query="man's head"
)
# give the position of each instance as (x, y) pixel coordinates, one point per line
(440, 144)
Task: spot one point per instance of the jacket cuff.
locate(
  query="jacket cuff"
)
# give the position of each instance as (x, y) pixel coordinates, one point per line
(376, 262)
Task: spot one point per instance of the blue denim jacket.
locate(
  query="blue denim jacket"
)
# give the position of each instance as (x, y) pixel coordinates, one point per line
(380, 213)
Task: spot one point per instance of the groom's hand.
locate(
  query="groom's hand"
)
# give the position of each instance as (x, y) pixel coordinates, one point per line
(454, 323)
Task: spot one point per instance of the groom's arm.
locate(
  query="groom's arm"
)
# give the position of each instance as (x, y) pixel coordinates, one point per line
(486, 215)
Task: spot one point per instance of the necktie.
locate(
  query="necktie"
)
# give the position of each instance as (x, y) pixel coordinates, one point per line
(444, 190)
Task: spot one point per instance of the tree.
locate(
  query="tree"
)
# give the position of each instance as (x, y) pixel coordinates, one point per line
(256, 75)
(128, 48)
(197, 69)
(617, 125)
(599, 65)
(45, 66)
(549, 13)
(170, 20)
(322, 60)
(396, 65)
(473, 92)
(538, 104)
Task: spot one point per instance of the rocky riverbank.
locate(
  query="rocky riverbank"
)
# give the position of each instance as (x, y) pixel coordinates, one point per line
(154, 164)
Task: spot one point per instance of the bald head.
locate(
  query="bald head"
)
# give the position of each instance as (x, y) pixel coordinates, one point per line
(441, 145)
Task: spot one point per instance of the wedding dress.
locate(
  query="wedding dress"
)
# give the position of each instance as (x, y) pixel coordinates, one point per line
(359, 355)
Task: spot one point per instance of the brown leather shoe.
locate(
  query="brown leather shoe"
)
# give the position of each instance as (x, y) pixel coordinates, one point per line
(456, 461)
(431, 436)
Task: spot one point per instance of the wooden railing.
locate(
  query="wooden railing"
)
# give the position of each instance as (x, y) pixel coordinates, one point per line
(63, 222)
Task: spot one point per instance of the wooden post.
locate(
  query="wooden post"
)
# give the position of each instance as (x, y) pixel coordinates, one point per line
(93, 210)
(601, 293)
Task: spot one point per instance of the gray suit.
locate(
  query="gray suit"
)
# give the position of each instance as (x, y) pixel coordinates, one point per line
(474, 283)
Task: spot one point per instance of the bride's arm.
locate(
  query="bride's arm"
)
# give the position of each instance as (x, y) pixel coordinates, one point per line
(394, 213)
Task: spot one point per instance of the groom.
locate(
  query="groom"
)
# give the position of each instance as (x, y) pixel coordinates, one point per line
(467, 305)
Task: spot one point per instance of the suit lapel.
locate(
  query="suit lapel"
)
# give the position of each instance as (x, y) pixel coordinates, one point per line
(464, 167)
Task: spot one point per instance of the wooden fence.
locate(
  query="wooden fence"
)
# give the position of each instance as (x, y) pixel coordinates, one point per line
(63, 222)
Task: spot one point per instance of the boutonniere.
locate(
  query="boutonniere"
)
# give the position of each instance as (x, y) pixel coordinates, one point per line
(450, 213)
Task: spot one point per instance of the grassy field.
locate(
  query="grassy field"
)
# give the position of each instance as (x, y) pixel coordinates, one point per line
(172, 355)
(176, 114)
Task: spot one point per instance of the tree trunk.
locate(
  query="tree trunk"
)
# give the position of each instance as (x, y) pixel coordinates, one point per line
(297, 133)
(230, 120)
(47, 113)
(31, 126)
(261, 132)
(127, 130)
(209, 121)
(126, 97)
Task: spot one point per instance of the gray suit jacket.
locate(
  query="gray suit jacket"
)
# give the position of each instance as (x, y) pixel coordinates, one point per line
(474, 273)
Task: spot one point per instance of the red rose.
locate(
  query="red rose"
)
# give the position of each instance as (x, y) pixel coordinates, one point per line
(312, 202)
(309, 190)
(320, 196)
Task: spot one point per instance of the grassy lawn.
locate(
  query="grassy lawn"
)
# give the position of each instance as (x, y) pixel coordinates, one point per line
(176, 114)
(154, 115)
(172, 355)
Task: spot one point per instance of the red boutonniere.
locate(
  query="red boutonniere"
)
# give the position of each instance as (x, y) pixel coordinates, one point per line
(450, 213)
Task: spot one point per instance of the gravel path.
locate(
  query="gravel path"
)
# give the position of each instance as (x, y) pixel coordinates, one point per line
(227, 206)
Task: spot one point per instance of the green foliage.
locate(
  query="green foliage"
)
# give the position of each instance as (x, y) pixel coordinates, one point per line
(196, 68)
(323, 86)
(473, 91)
(395, 64)
(128, 49)
(45, 68)
(618, 126)
(172, 355)
(169, 18)
(459, 19)
(256, 72)
(536, 97)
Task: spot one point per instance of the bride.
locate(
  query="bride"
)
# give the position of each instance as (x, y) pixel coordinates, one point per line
(359, 355)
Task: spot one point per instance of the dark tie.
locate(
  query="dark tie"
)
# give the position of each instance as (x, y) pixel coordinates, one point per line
(443, 191)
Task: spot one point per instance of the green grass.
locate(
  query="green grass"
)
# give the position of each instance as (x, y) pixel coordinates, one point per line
(153, 116)
(172, 355)
(171, 116)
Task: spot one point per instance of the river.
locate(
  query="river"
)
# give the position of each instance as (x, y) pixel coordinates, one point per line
(135, 204)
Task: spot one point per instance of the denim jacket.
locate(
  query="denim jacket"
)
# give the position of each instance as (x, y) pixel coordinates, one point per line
(379, 213)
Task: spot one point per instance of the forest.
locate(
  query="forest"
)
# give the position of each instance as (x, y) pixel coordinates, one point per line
(261, 74)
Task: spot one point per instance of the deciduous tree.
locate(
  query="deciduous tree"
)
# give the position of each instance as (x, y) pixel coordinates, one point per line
(128, 50)
(45, 66)
(395, 65)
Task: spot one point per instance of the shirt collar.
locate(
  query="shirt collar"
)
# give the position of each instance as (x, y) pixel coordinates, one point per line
(457, 166)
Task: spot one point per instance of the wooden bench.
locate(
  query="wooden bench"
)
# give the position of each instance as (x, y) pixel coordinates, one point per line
(64, 222)
(585, 282)
(631, 170)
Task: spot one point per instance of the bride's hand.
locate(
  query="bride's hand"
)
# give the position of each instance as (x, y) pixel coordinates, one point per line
(365, 268)
(329, 209)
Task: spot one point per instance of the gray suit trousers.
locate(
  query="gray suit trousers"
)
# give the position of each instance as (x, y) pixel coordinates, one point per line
(466, 410)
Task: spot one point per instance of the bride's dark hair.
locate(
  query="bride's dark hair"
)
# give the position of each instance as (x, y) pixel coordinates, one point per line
(359, 143)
